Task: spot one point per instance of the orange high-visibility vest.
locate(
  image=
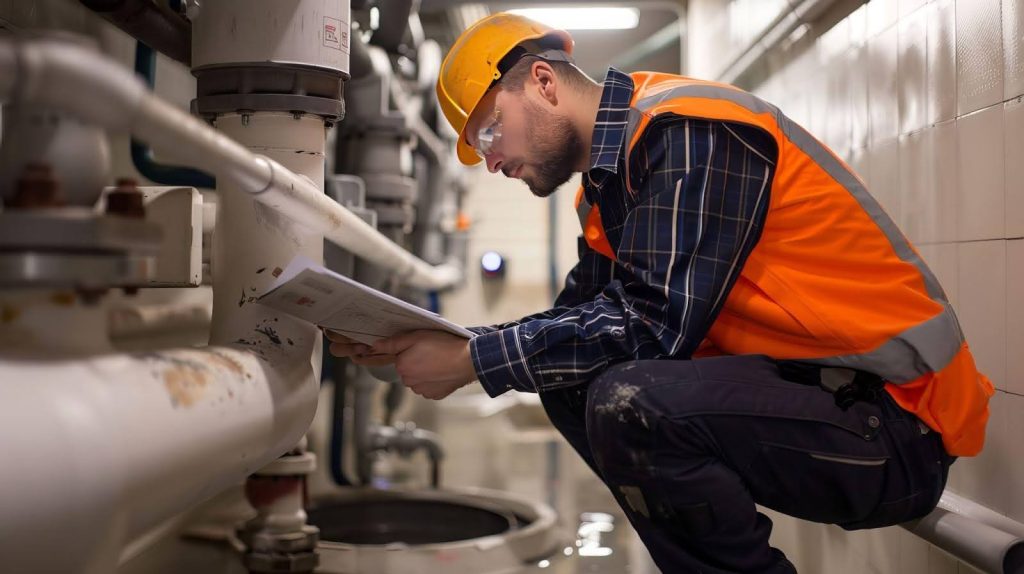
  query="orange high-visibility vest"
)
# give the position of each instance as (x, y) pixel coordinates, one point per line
(832, 280)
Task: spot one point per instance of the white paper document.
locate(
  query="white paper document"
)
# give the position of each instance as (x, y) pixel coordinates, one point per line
(318, 295)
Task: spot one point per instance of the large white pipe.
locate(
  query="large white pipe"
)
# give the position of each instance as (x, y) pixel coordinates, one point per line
(973, 533)
(96, 451)
(108, 95)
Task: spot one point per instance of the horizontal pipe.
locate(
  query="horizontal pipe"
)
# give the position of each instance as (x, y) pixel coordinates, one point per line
(109, 96)
(955, 503)
(973, 534)
(108, 447)
(773, 34)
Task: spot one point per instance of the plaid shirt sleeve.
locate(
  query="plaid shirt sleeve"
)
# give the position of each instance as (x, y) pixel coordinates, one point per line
(698, 212)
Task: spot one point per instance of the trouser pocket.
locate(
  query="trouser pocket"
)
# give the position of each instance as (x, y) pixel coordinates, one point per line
(818, 486)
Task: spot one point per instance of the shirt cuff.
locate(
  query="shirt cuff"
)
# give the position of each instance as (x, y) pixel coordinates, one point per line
(499, 362)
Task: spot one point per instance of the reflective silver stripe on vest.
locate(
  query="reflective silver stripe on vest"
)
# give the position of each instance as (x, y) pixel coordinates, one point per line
(924, 348)
(583, 211)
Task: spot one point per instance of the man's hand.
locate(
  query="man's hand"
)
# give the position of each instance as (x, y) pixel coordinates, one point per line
(431, 363)
(359, 353)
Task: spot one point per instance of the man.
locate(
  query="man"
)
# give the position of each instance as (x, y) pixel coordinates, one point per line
(745, 324)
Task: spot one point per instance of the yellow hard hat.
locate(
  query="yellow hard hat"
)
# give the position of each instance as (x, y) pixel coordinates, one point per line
(471, 66)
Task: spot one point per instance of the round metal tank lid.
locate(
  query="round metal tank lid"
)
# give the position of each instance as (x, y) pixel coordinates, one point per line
(478, 531)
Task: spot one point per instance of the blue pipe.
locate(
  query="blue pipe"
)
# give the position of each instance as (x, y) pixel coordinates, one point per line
(142, 154)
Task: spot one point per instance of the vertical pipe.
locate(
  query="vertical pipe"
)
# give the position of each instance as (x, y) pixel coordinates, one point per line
(251, 240)
(142, 154)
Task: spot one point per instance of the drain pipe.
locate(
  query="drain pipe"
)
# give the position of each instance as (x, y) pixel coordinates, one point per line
(112, 97)
(800, 13)
(974, 534)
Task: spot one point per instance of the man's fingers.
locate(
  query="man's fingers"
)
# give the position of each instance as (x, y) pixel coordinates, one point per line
(348, 349)
(427, 390)
(378, 360)
(395, 345)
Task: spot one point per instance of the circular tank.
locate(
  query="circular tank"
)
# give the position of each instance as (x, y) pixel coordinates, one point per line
(364, 531)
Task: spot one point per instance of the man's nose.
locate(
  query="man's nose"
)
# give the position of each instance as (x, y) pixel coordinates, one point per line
(493, 162)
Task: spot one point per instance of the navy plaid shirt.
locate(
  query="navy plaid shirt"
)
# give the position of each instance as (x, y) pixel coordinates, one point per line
(701, 195)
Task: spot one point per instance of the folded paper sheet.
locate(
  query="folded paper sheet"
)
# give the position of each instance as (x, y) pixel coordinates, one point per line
(321, 296)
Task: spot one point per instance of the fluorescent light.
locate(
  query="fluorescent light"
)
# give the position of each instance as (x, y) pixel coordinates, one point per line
(584, 17)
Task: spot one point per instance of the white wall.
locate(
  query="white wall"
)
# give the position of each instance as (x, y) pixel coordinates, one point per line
(508, 219)
(923, 98)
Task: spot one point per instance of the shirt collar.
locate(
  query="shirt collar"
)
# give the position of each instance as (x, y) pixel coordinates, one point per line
(610, 124)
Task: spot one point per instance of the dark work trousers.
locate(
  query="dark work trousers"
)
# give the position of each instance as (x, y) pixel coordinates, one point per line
(688, 447)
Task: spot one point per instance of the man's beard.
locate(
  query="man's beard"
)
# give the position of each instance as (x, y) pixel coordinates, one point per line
(556, 144)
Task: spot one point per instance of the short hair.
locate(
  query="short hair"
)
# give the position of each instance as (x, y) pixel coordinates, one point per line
(515, 78)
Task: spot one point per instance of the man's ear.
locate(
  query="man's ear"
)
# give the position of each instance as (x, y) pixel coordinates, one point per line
(543, 77)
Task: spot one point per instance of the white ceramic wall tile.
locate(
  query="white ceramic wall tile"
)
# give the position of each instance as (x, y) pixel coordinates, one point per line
(979, 49)
(942, 195)
(837, 130)
(939, 562)
(908, 6)
(980, 175)
(963, 568)
(942, 93)
(883, 101)
(860, 163)
(983, 478)
(858, 21)
(1013, 48)
(834, 43)
(913, 553)
(982, 304)
(1013, 120)
(915, 184)
(884, 179)
(1015, 322)
(882, 549)
(859, 69)
(881, 15)
(1014, 467)
(944, 261)
(912, 80)
(817, 103)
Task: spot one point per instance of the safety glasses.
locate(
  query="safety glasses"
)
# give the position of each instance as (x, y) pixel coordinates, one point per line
(489, 134)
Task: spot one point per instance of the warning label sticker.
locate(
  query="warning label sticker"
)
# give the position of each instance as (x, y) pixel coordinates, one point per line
(336, 34)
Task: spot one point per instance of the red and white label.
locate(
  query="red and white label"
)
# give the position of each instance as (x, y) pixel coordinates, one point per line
(336, 34)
